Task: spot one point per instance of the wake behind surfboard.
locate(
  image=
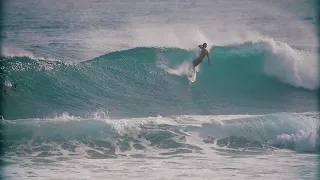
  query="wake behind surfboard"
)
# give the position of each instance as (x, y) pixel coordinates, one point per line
(184, 69)
(191, 74)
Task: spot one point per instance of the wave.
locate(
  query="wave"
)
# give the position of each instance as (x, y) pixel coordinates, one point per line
(151, 81)
(99, 136)
(11, 52)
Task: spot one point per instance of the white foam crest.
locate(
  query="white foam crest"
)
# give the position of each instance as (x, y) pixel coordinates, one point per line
(99, 114)
(200, 119)
(296, 67)
(121, 126)
(67, 117)
(132, 125)
(18, 52)
(64, 117)
(301, 141)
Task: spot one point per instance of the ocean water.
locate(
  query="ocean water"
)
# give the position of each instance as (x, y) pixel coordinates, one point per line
(99, 90)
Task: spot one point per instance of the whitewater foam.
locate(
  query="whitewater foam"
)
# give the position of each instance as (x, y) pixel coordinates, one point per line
(302, 141)
(296, 67)
(282, 130)
(18, 52)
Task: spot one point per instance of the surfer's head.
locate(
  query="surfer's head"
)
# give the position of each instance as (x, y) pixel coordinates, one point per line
(204, 45)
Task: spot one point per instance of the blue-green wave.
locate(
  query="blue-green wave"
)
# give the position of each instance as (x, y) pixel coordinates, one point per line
(131, 83)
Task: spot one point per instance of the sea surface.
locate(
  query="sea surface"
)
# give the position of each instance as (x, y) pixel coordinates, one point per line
(99, 90)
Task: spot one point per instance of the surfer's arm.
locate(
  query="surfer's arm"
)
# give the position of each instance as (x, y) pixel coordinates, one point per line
(200, 46)
(208, 58)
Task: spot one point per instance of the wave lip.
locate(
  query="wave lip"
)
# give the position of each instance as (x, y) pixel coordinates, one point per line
(292, 66)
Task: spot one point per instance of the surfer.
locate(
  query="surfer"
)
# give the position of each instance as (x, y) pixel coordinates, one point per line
(203, 53)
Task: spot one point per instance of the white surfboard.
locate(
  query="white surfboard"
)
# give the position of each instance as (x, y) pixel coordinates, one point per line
(192, 74)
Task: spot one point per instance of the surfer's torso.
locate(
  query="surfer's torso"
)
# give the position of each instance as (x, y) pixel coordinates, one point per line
(203, 53)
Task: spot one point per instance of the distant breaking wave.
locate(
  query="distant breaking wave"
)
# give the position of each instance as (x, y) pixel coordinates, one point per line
(98, 136)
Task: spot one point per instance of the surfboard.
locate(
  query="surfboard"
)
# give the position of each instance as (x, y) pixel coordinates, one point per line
(192, 74)
(192, 78)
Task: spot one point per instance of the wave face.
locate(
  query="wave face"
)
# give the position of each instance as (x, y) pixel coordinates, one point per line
(243, 78)
(98, 136)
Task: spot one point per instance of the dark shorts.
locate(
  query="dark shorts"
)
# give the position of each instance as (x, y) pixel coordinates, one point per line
(196, 62)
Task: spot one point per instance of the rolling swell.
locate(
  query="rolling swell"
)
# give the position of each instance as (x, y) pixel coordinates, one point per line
(134, 83)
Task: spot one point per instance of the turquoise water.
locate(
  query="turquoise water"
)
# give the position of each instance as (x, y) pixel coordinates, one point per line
(97, 89)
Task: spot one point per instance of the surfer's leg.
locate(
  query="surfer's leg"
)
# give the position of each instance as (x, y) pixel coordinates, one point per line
(195, 63)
